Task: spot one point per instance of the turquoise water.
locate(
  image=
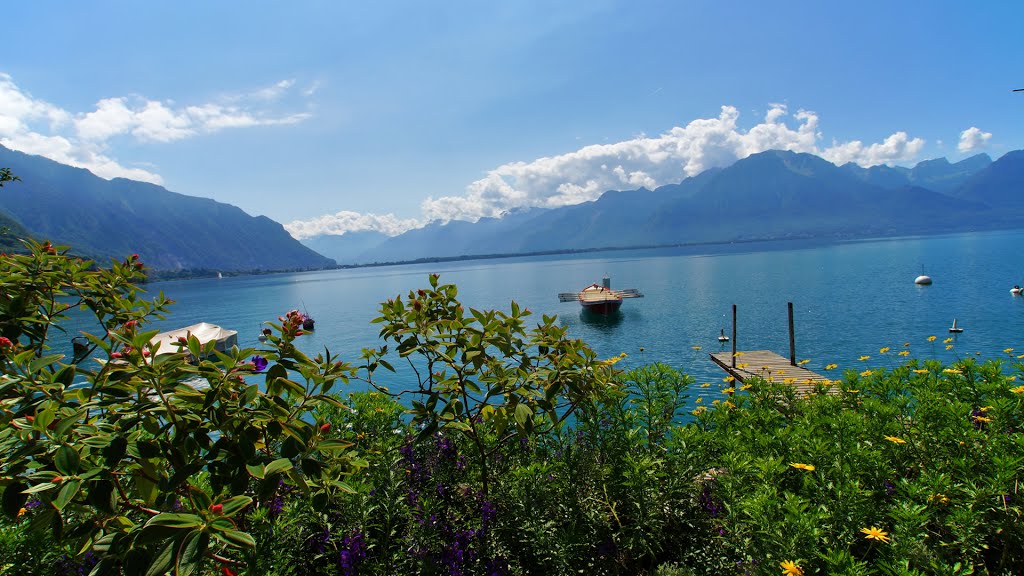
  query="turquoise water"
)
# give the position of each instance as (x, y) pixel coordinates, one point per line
(850, 299)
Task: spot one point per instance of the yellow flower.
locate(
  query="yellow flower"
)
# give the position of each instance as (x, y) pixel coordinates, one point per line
(863, 358)
(831, 366)
(699, 410)
(931, 338)
(883, 350)
(738, 354)
(805, 467)
(716, 402)
(853, 391)
(952, 371)
(1008, 350)
(789, 381)
(938, 499)
(729, 379)
(781, 371)
(790, 568)
(699, 400)
(985, 408)
(895, 440)
(1017, 390)
(706, 385)
(904, 352)
(875, 533)
(1020, 356)
(696, 347)
(728, 404)
(921, 371)
(728, 390)
(982, 419)
(866, 373)
(804, 361)
(22, 511)
(949, 346)
(742, 365)
(947, 340)
(746, 387)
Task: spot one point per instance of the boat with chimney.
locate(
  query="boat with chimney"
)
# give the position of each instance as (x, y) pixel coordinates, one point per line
(600, 298)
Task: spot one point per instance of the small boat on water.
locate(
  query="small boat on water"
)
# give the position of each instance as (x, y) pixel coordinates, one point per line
(307, 322)
(600, 298)
(722, 337)
(954, 328)
(224, 339)
(1016, 290)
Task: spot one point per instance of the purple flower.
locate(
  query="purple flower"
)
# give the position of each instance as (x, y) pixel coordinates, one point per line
(890, 488)
(259, 363)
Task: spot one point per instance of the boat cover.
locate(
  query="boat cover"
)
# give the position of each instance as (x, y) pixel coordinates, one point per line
(204, 332)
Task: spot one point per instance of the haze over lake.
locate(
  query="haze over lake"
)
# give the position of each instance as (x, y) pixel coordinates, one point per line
(850, 299)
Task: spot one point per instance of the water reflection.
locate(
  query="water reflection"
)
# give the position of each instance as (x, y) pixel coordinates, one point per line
(603, 322)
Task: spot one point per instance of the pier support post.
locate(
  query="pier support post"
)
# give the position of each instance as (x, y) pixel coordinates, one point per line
(733, 335)
(792, 338)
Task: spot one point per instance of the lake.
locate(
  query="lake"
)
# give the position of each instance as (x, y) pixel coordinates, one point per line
(850, 299)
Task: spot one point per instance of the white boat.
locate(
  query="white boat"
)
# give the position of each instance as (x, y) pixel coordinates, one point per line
(722, 337)
(954, 328)
(205, 332)
(1016, 290)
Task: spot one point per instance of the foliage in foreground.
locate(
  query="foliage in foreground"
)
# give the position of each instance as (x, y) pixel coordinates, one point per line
(914, 469)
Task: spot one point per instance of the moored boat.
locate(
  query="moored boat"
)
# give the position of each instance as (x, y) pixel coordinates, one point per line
(600, 298)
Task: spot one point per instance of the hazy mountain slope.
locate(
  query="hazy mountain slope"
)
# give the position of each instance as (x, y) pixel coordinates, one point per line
(1000, 185)
(348, 248)
(115, 218)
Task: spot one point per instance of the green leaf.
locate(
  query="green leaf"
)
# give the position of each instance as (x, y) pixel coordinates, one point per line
(190, 553)
(162, 562)
(234, 538)
(66, 494)
(256, 471)
(173, 520)
(277, 466)
(522, 414)
(235, 504)
(67, 460)
(331, 445)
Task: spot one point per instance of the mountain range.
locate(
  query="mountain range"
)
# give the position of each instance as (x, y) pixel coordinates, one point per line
(103, 219)
(770, 195)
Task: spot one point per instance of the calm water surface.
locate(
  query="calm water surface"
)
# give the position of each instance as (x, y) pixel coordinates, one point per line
(850, 299)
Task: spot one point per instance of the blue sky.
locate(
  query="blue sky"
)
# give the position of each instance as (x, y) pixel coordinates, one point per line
(338, 116)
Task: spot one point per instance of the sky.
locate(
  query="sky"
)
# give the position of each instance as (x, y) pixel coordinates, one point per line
(340, 116)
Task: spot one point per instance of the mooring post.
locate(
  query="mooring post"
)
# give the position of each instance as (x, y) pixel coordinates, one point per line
(792, 339)
(733, 335)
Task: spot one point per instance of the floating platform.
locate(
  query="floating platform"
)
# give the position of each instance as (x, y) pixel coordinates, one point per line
(768, 365)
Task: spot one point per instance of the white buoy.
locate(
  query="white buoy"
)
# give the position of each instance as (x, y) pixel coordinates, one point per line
(955, 328)
(923, 280)
(722, 337)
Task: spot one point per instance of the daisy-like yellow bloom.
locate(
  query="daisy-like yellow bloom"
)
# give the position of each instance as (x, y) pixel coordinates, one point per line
(700, 400)
(738, 354)
(931, 338)
(804, 361)
(895, 440)
(938, 499)
(716, 402)
(1011, 379)
(699, 410)
(728, 390)
(790, 568)
(883, 350)
(863, 358)
(853, 390)
(949, 346)
(985, 408)
(1017, 390)
(781, 371)
(921, 371)
(800, 466)
(875, 533)
(706, 385)
(952, 371)
(742, 365)
(982, 419)
(947, 340)
(904, 353)
(696, 347)
(831, 366)
(729, 379)
(746, 387)
(866, 373)
(1008, 350)
(1020, 356)
(728, 404)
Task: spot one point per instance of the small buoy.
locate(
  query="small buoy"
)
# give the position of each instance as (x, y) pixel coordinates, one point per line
(923, 280)
(955, 328)
(722, 337)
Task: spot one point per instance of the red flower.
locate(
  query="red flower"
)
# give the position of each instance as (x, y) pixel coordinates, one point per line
(225, 571)
(116, 355)
(57, 479)
(131, 325)
(5, 342)
(217, 508)
(325, 427)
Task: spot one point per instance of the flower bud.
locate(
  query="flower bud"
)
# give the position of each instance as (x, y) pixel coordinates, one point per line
(217, 508)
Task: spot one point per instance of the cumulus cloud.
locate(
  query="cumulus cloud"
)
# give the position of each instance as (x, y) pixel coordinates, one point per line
(81, 139)
(345, 221)
(973, 139)
(683, 151)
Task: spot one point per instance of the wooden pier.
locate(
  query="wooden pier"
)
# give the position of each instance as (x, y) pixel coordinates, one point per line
(769, 366)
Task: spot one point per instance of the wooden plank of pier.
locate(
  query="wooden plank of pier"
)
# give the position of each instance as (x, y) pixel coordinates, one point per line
(768, 365)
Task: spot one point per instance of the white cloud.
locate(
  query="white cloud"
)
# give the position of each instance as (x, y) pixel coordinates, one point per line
(585, 174)
(973, 139)
(345, 221)
(81, 139)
